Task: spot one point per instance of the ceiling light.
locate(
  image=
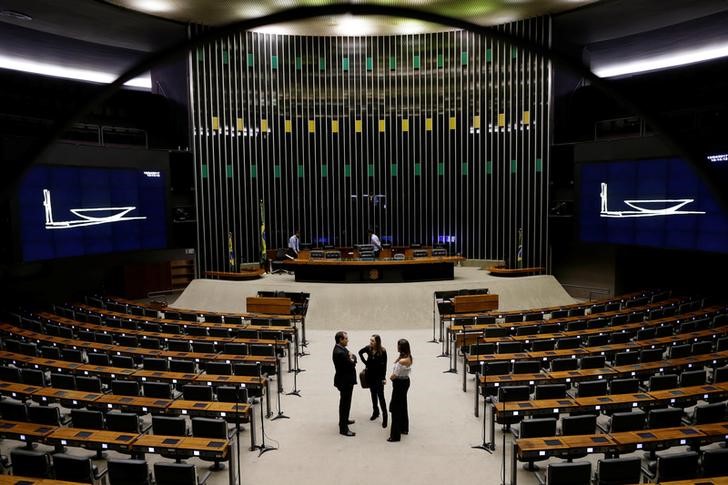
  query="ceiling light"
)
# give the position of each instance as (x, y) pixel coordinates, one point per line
(24, 65)
(15, 15)
(156, 6)
(353, 25)
(662, 62)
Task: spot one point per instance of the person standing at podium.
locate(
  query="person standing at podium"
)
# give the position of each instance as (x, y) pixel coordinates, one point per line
(374, 241)
(294, 244)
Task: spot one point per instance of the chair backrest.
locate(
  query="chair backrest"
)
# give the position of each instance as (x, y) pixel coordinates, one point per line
(664, 418)
(550, 391)
(235, 348)
(597, 323)
(619, 471)
(537, 428)
(509, 347)
(597, 340)
(543, 345)
(549, 328)
(576, 473)
(204, 347)
(715, 462)
(128, 472)
(12, 410)
(592, 362)
(592, 388)
(700, 348)
(232, 394)
(150, 343)
(155, 364)
(197, 331)
(624, 386)
(127, 340)
(83, 418)
(73, 468)
(709, 413)
(175, 473)
(720, 374)
(619, 337)
(88, 383)
(677, 466)
(526, 367)
(169, 425)
(693, 378)
(575, 425)
(219, 368)
(29, 348)
(662, 382)
(564, 364)
(568, 343)
(197, 392)
(44, 415)
(495, 331)
(651, 355)
(679, 351)
(267, 350)
(162, 390)
(576, 325)
(30, 463)
(629, 421)
(209, 428)
(123, 422)
(49, 352)
(95, 358)
(626, 358)
(187, 366)
(125, 388)
(63, 381)
(10, 374)
(513, 393)
(33, 377)
(123, 361)
(527, 330)
(245, 369)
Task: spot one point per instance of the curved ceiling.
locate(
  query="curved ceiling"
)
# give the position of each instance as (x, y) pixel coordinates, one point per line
(484, 12)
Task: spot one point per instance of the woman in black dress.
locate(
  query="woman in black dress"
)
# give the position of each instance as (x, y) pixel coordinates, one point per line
(400, 385)
(374, 357)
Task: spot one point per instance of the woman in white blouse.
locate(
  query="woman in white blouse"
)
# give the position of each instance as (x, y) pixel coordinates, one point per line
(400, 385)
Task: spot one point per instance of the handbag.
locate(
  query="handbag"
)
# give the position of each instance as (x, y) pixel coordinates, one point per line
(364, 379)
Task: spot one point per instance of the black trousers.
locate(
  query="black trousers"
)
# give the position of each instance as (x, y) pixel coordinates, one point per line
(376, 389)
(398, 408)
(345, 393)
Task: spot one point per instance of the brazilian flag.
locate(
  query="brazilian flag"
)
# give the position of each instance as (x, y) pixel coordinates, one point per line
(263, 256)
(231, 252)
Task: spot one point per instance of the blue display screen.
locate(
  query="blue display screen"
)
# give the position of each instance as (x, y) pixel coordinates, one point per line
(73, 211)
(661, 203)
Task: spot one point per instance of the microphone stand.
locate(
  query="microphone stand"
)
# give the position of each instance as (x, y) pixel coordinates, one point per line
(279, 389)
(484, 445)
(262, 446)
(237, 428)
(434, 305)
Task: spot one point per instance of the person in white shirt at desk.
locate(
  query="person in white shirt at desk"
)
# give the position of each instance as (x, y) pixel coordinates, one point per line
(294, 244)
(400, 385)
(374, 241)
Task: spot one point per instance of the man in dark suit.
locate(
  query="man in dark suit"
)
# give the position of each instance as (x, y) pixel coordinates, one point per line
(344, 380)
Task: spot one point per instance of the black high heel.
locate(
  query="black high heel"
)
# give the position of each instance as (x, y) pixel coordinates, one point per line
(374, 416)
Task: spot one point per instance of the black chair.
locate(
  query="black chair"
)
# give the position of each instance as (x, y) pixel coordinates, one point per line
(10, 374)
(30, 463)
(105, 338)
(624, 386)
(662, 382)
(511, 394)
(128, 472)
(715, 462)
(664, 331)
(196, 392)
(709, 413)
(559, 313)
(509, 347)
(262, 350)
(161, 390)
(679, 351)
(536, 428)
(550, 391)
(245, 369)
(125, 388)
(171, 328)
(44, 415)
(564, 364)
(83, 418)
(481, 349)
(720, 374)
(526, 367)
(219, 368)
(664, 418)
(178, 474)
(220, 332)
(626, 358)
(576, 425)
(169, 425)
(495, 332)
(123, 422)
(592, 362)
(646, 333)
(12, 410)
(568, 343)
(123, 361)
(155, 364)
(618, 471)
(74, 468)
(232, 394)
(235, 349)
(549, 328)
(98, 359)
(576, 325)
(631, 421)
(151, 327)
(29, 348)
(722, 344)
(88, 384)
(204, 347)
(186, 366)
(86, 336)
(693, 378)
(33, 377)
(527, 330)
(619, 337)
(63, 381)
(592, 388)
(513, 318)
(49, 352)
(578, 473)
(127, 340)
(210, 428)
(196, 331)
(72, 355)
(700, 348)
(150, 343)
(597, 323)
(543, 345)
(651, 355)
(677, 466)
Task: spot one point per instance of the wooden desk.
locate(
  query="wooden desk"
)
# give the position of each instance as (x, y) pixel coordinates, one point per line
(16, 390)
(92, 439)
(164, 376)
(503, 271)
(68, 398)
(243, 275)
(700, 481)
(133, 403)
(21, 480)
(210, 448)
(28, 432)
(242, 381)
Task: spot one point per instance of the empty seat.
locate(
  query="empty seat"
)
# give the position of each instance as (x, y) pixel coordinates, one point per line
(125, 388)
(127, 340)
(128, 472)
(677, 466)
(526, 367)
(624, 386)
(28, 348)
(155, 364)
(693, 378)
(715, 462)
(88, 383)
(186, 366)
(494, 332)
(247, 369)
(576, 425)
(619, 337)
(104, 338)
(196, 331)
(527, 330)
(646, 333)
(549, 328)
(577, 473)
(537, 428)
(123, 361)
(72, 355)
(150, 343)
(123, 422)
(618, 471)
(700, 348)
(626, 358)
(543, 345)
(169, 425)
(235, 348)
(196, 392)
(597, 340)
(30, 463)
(219, 368)
(210, 428)
(232, 394)
(74, 468)
(662, 382)
(592, 362)
(629, 421)
(709, 413)
(550, 391)
(592, 388)
(564, 364)
(597, 323)
(44, 415)
(179, 346)
(161, 390)
(178, 474)
(98, 359)
(663, 331)
(12, 410)
(84, 418)
(679, 351)
(509, 347)
(664, 418)
(568, 343)
(63, 381)
(720, 374)
(576, 325)
(49, 352)
(33, 377)
(10, 374)
(511, 394)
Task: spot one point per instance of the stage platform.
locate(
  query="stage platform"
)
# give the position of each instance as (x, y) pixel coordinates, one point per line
(374, 305)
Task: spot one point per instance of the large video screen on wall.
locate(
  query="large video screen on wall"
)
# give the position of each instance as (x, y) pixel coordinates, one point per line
(73, 211)
(658, 202)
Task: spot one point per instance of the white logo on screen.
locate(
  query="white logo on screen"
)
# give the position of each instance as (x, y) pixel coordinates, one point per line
(646, 207)
(91, 216)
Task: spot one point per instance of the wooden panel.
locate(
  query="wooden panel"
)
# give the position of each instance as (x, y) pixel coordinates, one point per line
(475, 303)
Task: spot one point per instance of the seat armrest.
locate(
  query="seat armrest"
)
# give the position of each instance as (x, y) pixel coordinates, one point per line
(99, 474)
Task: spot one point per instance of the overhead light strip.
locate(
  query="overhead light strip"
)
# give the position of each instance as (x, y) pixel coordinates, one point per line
(663, 62)
(25, 65)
